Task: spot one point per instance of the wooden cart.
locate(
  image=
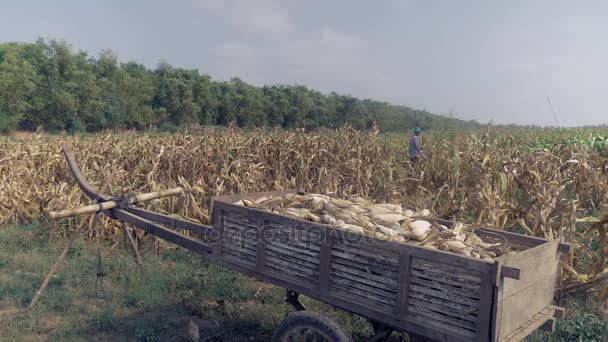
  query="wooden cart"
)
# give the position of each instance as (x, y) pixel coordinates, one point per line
(430, 294)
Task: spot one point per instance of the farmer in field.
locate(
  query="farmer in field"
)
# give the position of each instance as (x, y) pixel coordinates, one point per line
(414, 149)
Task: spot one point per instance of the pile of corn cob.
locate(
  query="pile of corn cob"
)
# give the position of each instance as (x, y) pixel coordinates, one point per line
(386, 221)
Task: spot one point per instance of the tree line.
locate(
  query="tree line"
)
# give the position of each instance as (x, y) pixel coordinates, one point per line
(46, 85)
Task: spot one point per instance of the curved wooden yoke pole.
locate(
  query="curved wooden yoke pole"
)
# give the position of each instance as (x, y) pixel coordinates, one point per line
(88, 189)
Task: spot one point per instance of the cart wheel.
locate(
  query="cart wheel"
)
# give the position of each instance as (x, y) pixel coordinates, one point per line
(307, 326)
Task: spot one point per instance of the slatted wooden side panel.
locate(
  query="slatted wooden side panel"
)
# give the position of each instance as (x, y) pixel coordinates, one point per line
(444, 294)
(279, 249)
(292, 251)
(405, 285)
(240, 238)
(364, 274)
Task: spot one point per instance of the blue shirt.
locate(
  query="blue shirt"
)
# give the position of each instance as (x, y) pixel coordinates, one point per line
(414, 149)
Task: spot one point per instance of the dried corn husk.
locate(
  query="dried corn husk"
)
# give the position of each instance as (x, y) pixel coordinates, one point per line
(386, 221)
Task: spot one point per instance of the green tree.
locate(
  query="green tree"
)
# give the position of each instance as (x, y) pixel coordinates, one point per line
(47, 84)
(17, 83)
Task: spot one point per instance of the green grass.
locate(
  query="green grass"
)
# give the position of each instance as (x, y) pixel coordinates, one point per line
(580, 324)
(177, 287)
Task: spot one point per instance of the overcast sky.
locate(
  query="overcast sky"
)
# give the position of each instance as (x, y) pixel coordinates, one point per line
(484, 60)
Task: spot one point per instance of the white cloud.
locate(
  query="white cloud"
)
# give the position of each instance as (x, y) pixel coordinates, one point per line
(212, 5)
(332, 49)
(337, 40)
(378, 77)
(233, 50)
(262, 16)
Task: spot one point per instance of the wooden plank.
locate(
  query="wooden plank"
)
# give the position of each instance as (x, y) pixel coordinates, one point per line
(461, 315)
(280, 272)
(249, 233)
(303, 248)
(349, 252)
(295, 260)
(287, 268)
(441, 319)
(294, 248)
(543, 257)
(510, 272)
(293, 266)
(242, 235)
(283, 266)
(241, 226)
(278, 231)
(365, 290)
(558, 311)
(324, 263)
(234, 244)
(247, 255)
(449, 296)
(496, 310)
(516, 239)
(273, 218)
(549, 325)
(260, 248)
(292, 254)
(376, 279)
(238, 241)
(467, 309)
(171, 221)
(242, 257)
(540, 320)
(375, 285)
(237, 197)
(220, 232)
(403, 290)
(523, 305)
(456, 291)
(486, 296)
(380, 303)
(447, 280)
(433, 267)
(280, 237)
(164, 233)
(365, 266)
(450, 259)
(239, 235)
(364, 250)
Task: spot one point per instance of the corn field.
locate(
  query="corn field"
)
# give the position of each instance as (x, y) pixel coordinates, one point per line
(551, 183)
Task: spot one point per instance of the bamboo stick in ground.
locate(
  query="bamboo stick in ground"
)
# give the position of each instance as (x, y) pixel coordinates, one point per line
(129, 234)
(67, 247)
(46, 281)
(93, 208)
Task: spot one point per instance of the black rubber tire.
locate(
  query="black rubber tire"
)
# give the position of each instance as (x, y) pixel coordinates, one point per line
(314, 320)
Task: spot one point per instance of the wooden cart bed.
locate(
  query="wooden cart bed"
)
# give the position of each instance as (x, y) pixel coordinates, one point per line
(440, 295)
